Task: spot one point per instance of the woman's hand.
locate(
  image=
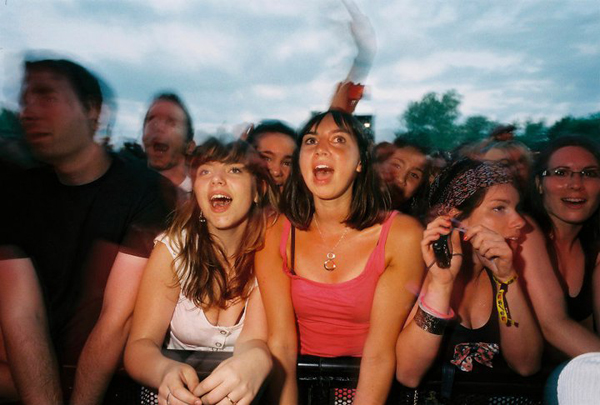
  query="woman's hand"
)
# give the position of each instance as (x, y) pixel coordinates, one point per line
(436, 228)
(493, 250)
(177, 384)
(236, 380)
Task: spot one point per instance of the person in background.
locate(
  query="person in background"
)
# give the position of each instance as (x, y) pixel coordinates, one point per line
(168, 139)
(561, 252)
(338, 274)
(503, 133)
(199, 288)
(404, 168)
(472, 315)
(515, 155)
(75, 241)
(276, 143)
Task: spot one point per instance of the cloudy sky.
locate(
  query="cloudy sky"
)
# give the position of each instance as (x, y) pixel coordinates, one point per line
(237, 61)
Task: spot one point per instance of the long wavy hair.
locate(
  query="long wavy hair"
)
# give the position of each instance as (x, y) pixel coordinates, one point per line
(204, 278)
(590, 232)
(371, 202)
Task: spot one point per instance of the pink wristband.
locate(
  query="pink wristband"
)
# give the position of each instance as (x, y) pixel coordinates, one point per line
(433, 312)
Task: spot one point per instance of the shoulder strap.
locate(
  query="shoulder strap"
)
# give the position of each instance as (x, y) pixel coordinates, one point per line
(385, 228)
(293, 250)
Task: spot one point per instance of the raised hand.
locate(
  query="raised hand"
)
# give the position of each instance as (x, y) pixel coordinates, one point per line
(441, 226)
(493, 251)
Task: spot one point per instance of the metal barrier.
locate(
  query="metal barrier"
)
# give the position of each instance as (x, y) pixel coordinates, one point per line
(331, 381)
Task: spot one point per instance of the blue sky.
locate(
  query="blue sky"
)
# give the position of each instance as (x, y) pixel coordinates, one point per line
(236, 62)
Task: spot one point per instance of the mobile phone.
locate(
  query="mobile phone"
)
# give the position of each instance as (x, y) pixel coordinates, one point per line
(441, 251)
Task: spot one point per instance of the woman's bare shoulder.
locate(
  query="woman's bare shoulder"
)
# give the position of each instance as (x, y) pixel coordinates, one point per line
(406, 227)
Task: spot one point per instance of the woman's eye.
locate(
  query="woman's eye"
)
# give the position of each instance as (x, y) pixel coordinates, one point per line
(236, 170)
(287, 163)
(499, 208)
(203, 172)
(560, 172)
(310, 140)
(265, 158)
(339, 139)
(415, 176)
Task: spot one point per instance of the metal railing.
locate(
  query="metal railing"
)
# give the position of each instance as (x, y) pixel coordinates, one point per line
(331, 381)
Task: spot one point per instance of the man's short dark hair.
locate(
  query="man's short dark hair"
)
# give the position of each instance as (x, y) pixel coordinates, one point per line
(84, 83)
(174, 98)
(267, 126)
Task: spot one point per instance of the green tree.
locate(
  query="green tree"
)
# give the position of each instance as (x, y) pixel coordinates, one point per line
(433, 118)
(588, 126)
(535, 134)
(475, 128)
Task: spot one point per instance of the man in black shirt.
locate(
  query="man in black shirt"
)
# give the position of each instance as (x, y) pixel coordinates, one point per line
(83, 227)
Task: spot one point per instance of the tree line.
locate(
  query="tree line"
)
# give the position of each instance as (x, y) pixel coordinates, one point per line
(435, 122)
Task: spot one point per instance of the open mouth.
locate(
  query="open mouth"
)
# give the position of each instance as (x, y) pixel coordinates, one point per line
(574, 202)
(220, 200)
(322, 172)
(160, 147)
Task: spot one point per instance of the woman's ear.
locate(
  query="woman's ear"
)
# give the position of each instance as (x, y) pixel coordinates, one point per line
(538, 185)
(454, 212)
(359, 167)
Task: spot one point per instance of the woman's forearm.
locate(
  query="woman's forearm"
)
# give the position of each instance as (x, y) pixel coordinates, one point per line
(145, 363)
(375, 379)
(521, 343)
(283, 387)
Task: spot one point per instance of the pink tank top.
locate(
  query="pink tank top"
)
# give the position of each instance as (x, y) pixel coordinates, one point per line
(334, 319)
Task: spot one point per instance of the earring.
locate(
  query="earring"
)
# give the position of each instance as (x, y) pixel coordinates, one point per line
(201, 218)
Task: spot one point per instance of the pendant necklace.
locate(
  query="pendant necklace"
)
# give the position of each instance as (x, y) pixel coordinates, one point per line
(329, 263)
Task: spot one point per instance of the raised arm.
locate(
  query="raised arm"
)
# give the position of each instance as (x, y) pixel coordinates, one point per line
(240, 377)
(25, 336)
(104, 347)
(548, 300)
(416, 348)
(520, 338)
(349, 92)
(395, 295)
(282, 340)
(156, 301)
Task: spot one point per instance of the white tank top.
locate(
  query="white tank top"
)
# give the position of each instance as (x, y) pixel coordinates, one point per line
(190, 329)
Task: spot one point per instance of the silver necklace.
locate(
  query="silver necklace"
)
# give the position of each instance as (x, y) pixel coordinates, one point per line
(329, 263)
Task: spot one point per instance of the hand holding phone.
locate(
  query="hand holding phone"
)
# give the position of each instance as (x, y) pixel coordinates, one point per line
(441, 251)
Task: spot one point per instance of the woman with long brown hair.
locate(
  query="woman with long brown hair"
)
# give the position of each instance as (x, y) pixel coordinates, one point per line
(199, 288)
(340, 272)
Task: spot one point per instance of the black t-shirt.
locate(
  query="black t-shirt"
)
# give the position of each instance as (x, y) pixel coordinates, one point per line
(73, 234)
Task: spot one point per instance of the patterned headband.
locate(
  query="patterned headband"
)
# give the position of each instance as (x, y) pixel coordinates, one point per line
(466, 184)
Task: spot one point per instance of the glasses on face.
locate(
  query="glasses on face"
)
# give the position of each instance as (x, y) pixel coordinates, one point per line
(565, 173)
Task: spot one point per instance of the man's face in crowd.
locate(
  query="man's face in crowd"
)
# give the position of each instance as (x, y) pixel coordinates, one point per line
(57, 126)
(164, 138)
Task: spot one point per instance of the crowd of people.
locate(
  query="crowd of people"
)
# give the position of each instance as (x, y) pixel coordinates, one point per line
(317, 242)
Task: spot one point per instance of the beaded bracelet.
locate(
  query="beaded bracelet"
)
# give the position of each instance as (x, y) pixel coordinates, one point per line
(501, 304)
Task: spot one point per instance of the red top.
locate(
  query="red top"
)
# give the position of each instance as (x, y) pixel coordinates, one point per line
(334, 319)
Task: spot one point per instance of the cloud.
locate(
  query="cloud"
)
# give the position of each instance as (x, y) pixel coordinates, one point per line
(244, 61)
